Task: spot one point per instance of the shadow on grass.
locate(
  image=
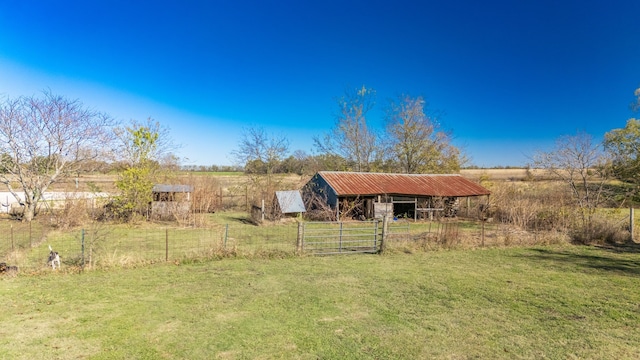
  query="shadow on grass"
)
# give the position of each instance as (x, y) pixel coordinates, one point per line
(243, 220)
(629, 247)
(605, 260)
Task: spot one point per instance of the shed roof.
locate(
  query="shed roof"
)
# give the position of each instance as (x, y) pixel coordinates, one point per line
(356, 183)
(290, 201)
(162, 188)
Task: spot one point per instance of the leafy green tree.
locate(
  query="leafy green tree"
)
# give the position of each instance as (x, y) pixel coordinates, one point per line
(415, 141)
(624, 146)
(140, 147)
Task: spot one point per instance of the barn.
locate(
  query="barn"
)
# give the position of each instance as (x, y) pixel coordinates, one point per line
(374, 195)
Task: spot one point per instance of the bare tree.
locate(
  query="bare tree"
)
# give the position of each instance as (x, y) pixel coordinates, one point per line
(583, 166)
(265, 152)
(415, 140)
(352, 138)
(261, 155)
(46, 139)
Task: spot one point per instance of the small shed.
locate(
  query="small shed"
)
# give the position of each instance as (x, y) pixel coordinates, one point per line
(290, 202)
(373, 195)
(170, 201)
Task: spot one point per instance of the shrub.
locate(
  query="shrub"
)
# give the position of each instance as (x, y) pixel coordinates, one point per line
(599, 230)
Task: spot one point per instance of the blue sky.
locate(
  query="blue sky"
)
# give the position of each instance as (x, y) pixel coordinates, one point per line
(509, 76)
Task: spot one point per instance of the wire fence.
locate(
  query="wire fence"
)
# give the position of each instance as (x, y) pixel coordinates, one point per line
(26, 245)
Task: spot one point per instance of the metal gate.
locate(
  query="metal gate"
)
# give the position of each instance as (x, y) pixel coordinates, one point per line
(330, 238)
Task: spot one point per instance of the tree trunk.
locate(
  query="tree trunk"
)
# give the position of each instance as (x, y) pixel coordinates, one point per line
(29, 211)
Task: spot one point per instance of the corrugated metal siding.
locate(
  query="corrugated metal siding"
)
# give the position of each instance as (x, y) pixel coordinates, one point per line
(172, 188)
(290, 201)
(353, 183)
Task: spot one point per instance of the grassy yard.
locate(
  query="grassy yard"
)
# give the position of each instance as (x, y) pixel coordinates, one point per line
(528, 303)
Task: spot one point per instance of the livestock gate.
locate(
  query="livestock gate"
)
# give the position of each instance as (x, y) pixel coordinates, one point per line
(331, 238)
(327, 238)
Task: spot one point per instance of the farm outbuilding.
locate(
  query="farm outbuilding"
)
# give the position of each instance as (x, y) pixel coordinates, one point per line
(170, 201)
(373, 195)
(290, 202)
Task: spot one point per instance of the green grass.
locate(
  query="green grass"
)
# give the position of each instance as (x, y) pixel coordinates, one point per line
(527, 303)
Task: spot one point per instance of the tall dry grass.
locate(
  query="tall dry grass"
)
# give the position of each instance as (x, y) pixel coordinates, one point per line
(549, 207)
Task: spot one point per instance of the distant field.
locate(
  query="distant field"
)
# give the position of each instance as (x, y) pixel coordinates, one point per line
(522, 303)
(502, 174)
(106, 181)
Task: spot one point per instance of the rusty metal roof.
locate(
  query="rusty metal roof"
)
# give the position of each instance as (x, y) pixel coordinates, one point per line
(355, 183)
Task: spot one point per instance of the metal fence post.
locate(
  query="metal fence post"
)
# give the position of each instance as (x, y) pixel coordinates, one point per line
(340, 239)
(166, 244)
(631, 222)
(226, 235)
(82, 246)
(375, 235)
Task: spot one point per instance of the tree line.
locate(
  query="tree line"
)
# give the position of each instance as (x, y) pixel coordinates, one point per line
(412, 141)
(47, 138)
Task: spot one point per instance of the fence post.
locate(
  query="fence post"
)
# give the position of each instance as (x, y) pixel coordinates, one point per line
(299, 240)
(340, 239)
(631, 222)
(82, 247)
(166, 244)
(11, 237)
(483, 221)
(383, 238)
(375, 235)
(226, 235)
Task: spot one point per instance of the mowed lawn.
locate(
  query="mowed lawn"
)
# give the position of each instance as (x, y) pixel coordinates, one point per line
(526, 303)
